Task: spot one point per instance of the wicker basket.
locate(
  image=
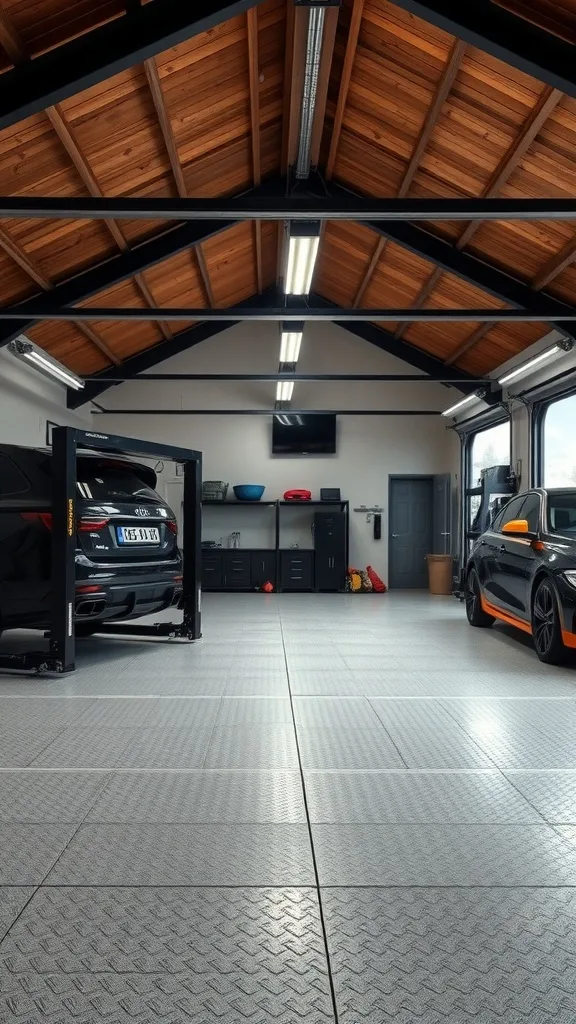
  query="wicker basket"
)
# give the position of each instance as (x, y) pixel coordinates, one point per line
(214, 490)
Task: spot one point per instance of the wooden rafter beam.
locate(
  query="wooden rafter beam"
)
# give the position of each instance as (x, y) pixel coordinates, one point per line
(555, 266)
(349, 56)
(547, 102)
(12, 43)
(155, 86)
(72, 147)
(254, 89)
(440, 96)
(375, 259)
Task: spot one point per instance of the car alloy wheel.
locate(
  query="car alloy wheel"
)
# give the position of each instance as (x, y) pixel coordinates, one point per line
(544, 618)
(472, 596)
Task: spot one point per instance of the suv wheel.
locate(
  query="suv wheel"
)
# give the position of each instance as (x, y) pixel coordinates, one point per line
(474, 611)
(546, 628)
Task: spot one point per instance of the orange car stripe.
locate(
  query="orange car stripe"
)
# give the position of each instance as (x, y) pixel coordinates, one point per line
(507, 617)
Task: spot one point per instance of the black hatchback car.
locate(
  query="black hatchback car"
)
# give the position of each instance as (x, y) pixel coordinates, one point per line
(127, 559)
(523, 571)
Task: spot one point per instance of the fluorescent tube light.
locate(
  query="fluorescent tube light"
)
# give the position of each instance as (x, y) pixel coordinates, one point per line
(461, 404)
(290, 342)
(284, 389)
(303, 243)
(525, 368)
(24, 349)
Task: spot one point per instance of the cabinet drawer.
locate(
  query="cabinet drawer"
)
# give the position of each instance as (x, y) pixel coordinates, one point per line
(296, 570)
(212, 574)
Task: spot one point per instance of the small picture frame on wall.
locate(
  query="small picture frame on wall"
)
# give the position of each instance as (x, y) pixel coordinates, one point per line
(49, 428)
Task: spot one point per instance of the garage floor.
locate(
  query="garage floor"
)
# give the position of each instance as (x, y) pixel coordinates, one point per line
(344, 808)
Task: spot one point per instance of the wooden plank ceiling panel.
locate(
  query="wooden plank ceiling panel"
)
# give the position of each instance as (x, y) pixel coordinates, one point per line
(398, 65)
(500, 343)
(66, 343)
(124, 338)
(44, 24)
(231, 263)
(441, 339)
(15, 284)
(177, 282)
(345, 250)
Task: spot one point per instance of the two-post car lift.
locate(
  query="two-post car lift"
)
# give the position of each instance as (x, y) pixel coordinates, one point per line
(66, 441)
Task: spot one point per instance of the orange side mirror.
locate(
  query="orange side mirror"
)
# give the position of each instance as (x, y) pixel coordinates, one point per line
(516, 526)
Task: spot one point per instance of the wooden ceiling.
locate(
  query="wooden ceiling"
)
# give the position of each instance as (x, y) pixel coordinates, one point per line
(405, 109)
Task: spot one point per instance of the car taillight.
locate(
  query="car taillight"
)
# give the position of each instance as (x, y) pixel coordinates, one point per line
(172, 525)
(85, 525)
(88, 589)
(45, 518)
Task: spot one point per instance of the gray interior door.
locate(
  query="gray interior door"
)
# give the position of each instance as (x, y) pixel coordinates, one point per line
(411, 532)
(442, 519)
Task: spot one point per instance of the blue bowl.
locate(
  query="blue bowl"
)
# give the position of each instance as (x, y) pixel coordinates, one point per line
(249, 492)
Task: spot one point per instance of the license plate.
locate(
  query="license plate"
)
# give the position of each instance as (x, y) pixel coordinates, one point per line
(138, 535)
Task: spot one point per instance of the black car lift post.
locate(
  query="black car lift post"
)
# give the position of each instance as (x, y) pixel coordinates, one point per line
(61, 656)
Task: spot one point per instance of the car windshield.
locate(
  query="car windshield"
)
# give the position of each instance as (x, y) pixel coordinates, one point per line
(562, 512)
(111, 481)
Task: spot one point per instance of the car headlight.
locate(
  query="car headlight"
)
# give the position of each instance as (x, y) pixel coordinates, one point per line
(570, 576)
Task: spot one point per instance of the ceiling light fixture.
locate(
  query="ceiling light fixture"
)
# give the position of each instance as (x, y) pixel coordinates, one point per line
(463, 401)
(290, 342)
(303, 243)
(284, 389)
(532, 364)
(24, 349)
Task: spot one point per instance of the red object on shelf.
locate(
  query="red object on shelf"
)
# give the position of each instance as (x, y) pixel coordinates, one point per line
(297, 495)
(377, 585)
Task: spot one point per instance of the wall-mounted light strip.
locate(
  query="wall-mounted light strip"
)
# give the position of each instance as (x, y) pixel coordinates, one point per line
(462, 403)
(45, 364)
(533, 364)
(303, 243)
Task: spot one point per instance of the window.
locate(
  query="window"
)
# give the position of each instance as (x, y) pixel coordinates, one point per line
(490, 447)
(12, 480)
(110, 481)
(531, 511)
(562, 512)
(512, 511)
(559, 454)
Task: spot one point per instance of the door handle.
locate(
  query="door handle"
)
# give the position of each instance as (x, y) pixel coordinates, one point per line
(395, 535)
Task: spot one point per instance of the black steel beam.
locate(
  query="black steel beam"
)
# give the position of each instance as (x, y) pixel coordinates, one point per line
(268, 412)
(511, 39)
(125, 265)
(353, 378)
(282, 314)
(106, 51)
(296, 208)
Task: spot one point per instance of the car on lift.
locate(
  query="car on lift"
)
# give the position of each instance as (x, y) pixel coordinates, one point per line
(522, 571)
(128, 563)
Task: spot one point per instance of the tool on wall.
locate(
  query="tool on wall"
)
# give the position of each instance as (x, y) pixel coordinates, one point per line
(371, 510)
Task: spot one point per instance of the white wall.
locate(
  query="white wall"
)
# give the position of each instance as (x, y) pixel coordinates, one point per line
(238, 448)
(28, 400)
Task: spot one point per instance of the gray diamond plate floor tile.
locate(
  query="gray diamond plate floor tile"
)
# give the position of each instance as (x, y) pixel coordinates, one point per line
(453, 956)
(84, 748)
(443, 855)
(166, 748)
(208, 796)
(57, 797)
(183, 956)
(252, 685)
(553, 794)
(20, 746)
(13, 899)
(267, 746)
(414, 797)
(27, 852)
(427, 737)
(187, 712)
(323, 712)
(116, 714)
(240, 711)
(41, 713)
(186, 855)
(339, 747)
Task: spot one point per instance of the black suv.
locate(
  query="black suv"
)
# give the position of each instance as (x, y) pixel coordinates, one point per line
(127, 558)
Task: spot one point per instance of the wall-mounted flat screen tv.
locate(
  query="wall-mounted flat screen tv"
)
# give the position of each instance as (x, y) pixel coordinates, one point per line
(296, 434)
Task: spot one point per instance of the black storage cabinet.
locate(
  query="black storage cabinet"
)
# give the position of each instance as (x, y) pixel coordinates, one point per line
(262, 568)
(237, 568)
(297, 569)
(330, 550)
